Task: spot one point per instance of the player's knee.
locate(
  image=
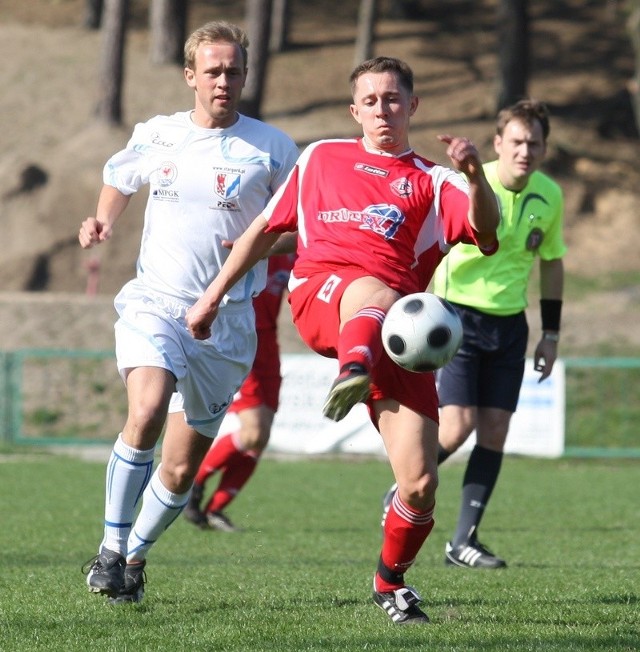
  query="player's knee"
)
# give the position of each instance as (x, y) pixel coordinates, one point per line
(144, 424)
(254, 438)
(419, 493)
(177, 477)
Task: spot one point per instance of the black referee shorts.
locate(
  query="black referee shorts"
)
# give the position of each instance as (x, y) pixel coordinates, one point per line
(488, 369)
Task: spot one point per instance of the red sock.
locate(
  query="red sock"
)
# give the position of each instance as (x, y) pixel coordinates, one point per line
(218, 456)
(234, 477)
(360, 339)
(405, 530)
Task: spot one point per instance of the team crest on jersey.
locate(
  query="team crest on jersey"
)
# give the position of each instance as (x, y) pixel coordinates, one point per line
(383, 219)
(534, 239)
(227, 185)
(402, 187)
(167, 173)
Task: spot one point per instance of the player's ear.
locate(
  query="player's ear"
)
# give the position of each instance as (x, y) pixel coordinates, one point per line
(413, 105)
(497, 144)
(355, 113)
(190, 77)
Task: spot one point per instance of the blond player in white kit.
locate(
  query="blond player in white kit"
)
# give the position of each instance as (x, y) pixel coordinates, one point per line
(210, 171)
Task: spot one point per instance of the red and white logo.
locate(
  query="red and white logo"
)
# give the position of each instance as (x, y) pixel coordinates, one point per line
(402, 187)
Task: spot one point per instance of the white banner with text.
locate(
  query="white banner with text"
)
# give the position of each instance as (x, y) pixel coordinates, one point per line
(537, 427)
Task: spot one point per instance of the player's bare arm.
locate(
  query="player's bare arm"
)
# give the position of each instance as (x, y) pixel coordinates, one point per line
(484, 214)
(247, 250)
(111, 204)
(285, 244)
(551, 287)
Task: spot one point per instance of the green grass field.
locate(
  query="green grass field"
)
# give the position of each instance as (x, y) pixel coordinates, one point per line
(299, 576)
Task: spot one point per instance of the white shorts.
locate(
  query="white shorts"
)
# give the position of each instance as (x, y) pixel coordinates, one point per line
(151, 332)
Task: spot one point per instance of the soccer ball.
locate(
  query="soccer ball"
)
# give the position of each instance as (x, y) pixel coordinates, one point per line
(421, 332)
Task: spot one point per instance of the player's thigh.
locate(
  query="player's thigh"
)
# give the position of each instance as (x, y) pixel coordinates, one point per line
(215, 370)
(411, 442)
(457, 422)
(363, 292)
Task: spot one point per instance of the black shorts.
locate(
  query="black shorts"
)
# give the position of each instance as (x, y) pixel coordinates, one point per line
(488, 369)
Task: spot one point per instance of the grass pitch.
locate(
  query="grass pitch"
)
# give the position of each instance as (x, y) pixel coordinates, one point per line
(299, 577)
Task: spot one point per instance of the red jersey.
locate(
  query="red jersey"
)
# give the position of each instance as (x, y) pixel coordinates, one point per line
(394, 218)
(267, 303)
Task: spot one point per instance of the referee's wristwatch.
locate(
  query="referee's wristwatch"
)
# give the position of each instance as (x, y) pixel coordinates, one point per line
(553, 337)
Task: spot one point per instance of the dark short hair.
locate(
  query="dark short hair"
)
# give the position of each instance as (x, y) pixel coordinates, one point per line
(528, 111)
(383, 64)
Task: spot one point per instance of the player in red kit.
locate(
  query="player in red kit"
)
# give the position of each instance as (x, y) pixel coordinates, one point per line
(235, 455)
(373, 219)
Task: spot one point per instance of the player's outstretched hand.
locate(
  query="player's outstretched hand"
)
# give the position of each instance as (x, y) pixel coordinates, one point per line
(93, 232)
(463, 154)
(199, 319)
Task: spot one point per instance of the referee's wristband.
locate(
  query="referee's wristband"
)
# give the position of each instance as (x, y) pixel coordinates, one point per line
(550, 312)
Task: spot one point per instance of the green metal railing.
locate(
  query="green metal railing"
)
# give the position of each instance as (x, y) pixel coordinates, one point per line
(52, 396)
(602, 407)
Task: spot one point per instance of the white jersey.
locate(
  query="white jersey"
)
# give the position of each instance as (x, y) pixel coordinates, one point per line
(205, 186)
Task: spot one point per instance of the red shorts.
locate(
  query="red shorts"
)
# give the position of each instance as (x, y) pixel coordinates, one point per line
(315, 306)
(262, 385)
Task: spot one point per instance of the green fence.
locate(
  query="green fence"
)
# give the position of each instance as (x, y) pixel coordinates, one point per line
(602, 407)
(50, 396)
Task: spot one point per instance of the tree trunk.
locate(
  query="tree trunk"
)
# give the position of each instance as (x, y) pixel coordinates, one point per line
(111, 77)
(633, 28)
(513, 51)
(168, 26)
(258, 22)
(92, 14)
(367, 14)
(280, 22)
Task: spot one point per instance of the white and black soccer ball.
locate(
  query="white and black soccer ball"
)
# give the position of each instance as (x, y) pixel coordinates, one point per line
(421, 332)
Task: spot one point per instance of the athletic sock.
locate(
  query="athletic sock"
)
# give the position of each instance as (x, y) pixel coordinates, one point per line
(160, 507)
(405, 531)
(479, 480)
(360, 341)
(128, 473)
(222, 451)
(235, 475)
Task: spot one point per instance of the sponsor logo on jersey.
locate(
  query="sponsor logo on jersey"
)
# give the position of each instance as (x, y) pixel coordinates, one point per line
(164, 194)
(166, 173)
(370, 169)
(383, 219)
(402, 187)
(156, 139)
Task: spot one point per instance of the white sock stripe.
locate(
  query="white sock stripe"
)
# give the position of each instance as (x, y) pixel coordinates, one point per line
(373, 313)
(409, 515)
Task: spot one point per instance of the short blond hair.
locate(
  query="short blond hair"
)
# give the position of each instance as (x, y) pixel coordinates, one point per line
(216, 31)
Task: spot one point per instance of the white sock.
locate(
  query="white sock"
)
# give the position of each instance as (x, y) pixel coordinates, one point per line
(128, 473)
(160, 508)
